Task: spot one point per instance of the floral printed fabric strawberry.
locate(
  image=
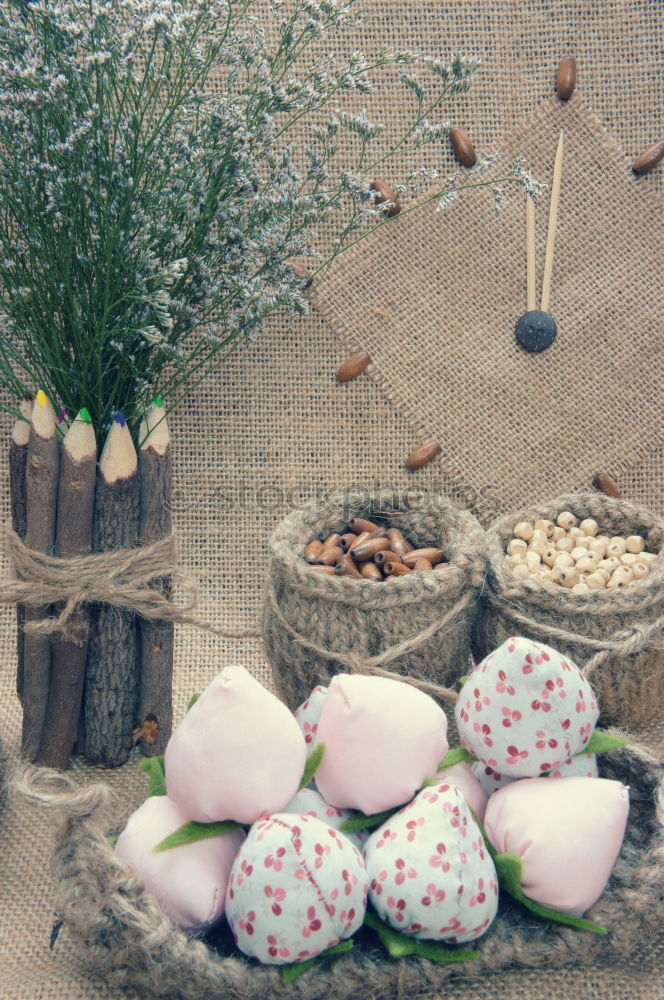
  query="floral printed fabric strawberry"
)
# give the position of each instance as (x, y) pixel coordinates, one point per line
(430, 873)
(296, 888)
(308, 714)
(525, 710)
(309, 802)
(584, 765)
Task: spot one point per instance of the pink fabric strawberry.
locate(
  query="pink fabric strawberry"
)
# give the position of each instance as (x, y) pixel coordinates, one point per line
(525, 709)
(237, 754)
(382, 739)
(567, 833)
(297, 887)
(431, 875)
(188, 882)
(464, 778)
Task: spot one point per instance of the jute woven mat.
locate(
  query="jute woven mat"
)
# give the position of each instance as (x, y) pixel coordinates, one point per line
(274, 427)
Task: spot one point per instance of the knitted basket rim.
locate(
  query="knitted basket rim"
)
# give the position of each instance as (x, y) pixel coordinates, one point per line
(640, 595)
(463, 545)
(128, 941)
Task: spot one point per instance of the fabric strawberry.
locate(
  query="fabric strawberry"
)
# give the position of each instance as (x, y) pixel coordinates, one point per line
(308, 713)
(309, 802)
(382, 739)
(431, 875)
(583, 765)
(566, 833)
(188, 882)
(297, 887)
(237, 754)
(525, 709)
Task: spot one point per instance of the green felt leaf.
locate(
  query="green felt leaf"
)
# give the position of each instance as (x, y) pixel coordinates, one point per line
(509, 869)
(311, 764)
(192, 831)
(192, 701)
(295, 969)
(400, 945)
(456, 756)
(462, 680)
(154, 768)
(364, 822)
(603, 742)
(113, 839)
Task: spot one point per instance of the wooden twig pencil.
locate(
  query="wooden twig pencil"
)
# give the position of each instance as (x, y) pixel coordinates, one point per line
(18, 456)
(155, 702)
(73, 537)
(41, 481)
(111, 683)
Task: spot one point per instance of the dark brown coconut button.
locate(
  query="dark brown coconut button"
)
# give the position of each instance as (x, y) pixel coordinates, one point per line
(536, 330)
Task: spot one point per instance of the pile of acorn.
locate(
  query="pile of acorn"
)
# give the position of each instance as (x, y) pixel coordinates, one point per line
(370, 551)
(576, 555)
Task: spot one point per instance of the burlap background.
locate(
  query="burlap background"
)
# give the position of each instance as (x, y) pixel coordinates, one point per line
(274, 426)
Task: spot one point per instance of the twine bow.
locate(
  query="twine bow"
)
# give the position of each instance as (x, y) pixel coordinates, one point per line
(121, 578)
(359, 663)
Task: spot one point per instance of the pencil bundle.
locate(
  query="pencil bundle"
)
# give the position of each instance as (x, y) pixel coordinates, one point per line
(104, 684)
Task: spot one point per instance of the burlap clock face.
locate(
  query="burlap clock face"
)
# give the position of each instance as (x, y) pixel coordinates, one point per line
(434, 298)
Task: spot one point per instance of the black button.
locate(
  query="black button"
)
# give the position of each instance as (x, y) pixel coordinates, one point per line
(536, 330)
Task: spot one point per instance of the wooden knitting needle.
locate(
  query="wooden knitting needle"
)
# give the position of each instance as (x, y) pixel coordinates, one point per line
(553, 221)
(531, 293)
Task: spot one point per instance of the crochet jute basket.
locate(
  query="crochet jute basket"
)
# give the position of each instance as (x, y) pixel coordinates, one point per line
(417, 624)
(126, 940)
(616, 636)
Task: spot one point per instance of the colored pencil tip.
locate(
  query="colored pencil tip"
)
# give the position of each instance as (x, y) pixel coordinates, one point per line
(42, 398)
(62, 415)
(84, 415)
(27, 398)
(158, 401)
(120, 419)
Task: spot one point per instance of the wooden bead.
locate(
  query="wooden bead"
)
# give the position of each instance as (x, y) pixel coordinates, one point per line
(587, 564)
(330, 555)
(610, 564)
(598, 545)
(396, 569)
(463, 147)
(521, 571)
(434, 556)
(422, 564)
(386, 555)
(563, 560)
(524, 530)
(516, 545)
(616, 547)
(635, 543)
(566, 520)
(604, 484)
(564, 544)
(383, 195)
(368, 549)
(566, 78)
(539, 535)
(423, 455)
(398, 543)
(533, 561)
(649, 158)
(621, 578)
(550, 555)
(333, 539)
(327, 570)
(313, 550)
(566, 577)
(557, 533)
(347, 540)
(589, 526)
(629, 558)
(518, 559)
(541, 524)
(353, 366)
(363, 536)
(640, 570)
(360, 524)
(370, 571)
(596, 581)
(579, 552)
(346, 567)
(581, 588)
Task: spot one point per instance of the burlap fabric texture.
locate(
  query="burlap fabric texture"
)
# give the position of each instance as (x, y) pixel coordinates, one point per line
(434, 298)
(616, 636)
(418, 625)
(129, 942)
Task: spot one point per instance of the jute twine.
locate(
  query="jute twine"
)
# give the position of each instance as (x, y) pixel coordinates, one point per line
(120, 578)
(420, 624)
(128, 942)
(618, 633)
